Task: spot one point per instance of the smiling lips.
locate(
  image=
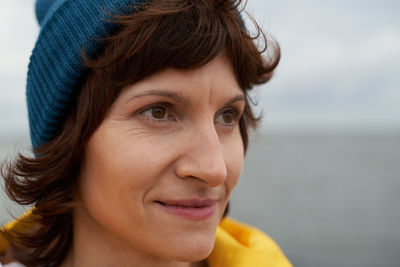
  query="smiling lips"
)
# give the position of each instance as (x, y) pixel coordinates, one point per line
(194, 209)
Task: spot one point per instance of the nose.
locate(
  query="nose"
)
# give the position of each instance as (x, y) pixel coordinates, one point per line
(203, 157)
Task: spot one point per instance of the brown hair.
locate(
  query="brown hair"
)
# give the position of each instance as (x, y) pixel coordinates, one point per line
(155, 36)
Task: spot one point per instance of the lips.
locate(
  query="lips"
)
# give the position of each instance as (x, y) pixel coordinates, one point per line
(195, 209)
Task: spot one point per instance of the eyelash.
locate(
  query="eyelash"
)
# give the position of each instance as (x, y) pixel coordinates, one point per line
(235, 116)
(235, 112)
(149, 108)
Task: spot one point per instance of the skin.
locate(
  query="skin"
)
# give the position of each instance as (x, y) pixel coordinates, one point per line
(174, 135)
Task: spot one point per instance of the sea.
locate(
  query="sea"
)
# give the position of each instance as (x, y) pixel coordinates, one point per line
(327, 199)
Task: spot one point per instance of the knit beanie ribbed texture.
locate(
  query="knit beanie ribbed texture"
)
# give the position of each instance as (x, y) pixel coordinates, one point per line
(56, 70)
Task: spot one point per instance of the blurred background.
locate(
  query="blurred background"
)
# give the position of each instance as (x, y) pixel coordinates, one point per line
(322, 174)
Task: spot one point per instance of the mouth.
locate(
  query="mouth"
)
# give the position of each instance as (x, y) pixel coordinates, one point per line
(194, 209)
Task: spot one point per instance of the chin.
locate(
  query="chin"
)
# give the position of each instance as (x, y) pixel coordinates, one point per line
(194, 256)
(193, 250)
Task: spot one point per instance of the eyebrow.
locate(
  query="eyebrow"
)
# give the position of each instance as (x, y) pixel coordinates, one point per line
(235, 99)
(177, 97)
(159, 92)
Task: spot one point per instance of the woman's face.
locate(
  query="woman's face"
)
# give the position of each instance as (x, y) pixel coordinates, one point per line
(158, 172)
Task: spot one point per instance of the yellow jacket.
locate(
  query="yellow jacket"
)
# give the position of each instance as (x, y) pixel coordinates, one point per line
(240, 245)
(236, 245)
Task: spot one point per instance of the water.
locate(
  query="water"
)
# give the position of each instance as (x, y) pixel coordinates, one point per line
(328, 200)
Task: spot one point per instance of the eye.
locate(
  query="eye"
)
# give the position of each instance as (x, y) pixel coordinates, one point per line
(228, 117)
(156, 112)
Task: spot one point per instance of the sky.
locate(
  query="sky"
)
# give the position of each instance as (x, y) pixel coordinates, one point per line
(340, 65)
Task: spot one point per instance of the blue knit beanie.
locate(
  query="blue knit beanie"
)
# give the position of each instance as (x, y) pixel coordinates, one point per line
(56, 70)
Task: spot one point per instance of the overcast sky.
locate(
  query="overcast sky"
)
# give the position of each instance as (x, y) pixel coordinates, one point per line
(340, 66)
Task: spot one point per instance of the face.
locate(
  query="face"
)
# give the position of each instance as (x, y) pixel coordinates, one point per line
(158, 172)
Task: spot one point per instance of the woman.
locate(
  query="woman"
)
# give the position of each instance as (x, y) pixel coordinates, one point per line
(138, 114)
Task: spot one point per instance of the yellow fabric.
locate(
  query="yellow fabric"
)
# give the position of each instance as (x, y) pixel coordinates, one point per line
(240, 245)
(236, 245)
(16, 225)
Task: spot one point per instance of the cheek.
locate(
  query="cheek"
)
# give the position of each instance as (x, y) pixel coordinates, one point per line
(123, 164)
(234, 156)
(117, 173)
